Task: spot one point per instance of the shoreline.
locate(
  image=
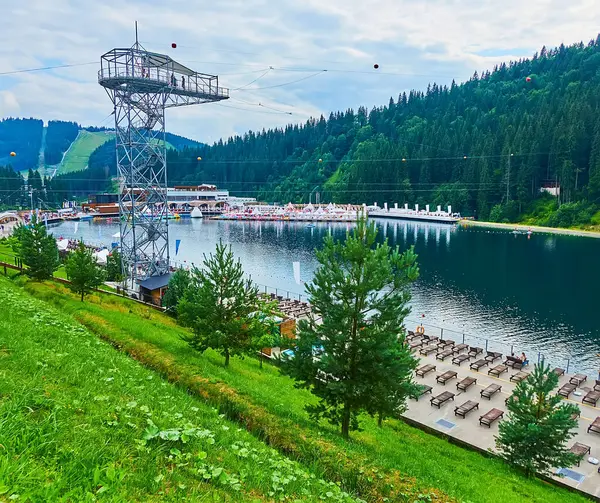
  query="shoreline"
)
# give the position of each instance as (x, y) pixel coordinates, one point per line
(534, 228)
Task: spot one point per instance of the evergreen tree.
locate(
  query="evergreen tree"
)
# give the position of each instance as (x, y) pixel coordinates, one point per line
(82, 271)
(224, 310)
(178, 284)
(538, 427)
(355, 358)
(114, 271)
(37, 249)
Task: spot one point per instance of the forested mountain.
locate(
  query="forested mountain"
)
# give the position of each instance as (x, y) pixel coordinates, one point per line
(495, 139)
(24, 138)
(59, 136)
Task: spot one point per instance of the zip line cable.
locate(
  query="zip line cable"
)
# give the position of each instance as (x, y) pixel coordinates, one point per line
(287, 83)
(253, 81)
(44, 68)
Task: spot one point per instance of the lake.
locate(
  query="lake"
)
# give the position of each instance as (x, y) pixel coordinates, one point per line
(536, 295)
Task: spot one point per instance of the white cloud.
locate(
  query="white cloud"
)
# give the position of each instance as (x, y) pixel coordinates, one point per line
(414, 42)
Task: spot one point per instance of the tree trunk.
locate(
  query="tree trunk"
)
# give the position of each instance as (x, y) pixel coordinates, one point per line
(227, 358)
(380, 419)
(82, 293)
(260, 359)
(346, 421)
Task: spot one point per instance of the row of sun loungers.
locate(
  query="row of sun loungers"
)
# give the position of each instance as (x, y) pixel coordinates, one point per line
(463, 410)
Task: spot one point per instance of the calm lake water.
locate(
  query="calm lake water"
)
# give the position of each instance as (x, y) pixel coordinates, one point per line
(538, 294)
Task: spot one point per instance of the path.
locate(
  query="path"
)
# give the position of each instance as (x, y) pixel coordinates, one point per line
(534, 228)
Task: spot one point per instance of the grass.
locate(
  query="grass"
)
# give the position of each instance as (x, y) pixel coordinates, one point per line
(76, 158)
(396, 462)
(80, 421)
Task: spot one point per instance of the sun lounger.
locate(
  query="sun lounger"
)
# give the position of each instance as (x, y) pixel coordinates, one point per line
(559, 372)
(566, 389)
(421, 390)
(444, 354)
(445, 343)
(493, 356)
(580, 450)
(411, 333)
(497, 370)
(441, 399)
(478, 364)
(490, 417)
(597, 385)
(519, 376)
(465, 408)
(595, 426)
(425, 369)
(459, 347)
(474, 351)
(514, 362)
(592, 398)
(465, 383)
(415, 345)
(431, 338)
(577, 379)
(457, 360)
(490, 390)
(428, 350)
(446, 376)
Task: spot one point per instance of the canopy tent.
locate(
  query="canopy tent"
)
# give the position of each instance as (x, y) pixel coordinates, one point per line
(154, 60)
(62, 244)
(102, 256)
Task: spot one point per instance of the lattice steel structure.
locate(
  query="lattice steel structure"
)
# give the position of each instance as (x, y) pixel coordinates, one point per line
(142, 85)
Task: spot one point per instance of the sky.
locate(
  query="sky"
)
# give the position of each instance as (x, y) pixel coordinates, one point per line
(284, 61)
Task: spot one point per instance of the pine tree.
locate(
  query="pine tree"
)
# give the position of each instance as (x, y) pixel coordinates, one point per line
(178, 285)
(37, 249)
(351, 353)
(82, 271)
(224, 310)
(533, 437)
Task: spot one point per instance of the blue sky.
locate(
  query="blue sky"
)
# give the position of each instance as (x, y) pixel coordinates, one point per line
(414, 42)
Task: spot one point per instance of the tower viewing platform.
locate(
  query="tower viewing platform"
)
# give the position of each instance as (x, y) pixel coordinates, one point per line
(136, 70)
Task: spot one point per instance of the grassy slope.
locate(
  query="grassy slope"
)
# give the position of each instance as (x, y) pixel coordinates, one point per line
(394, 461)
(76, 159)
(79, 153)
(74, 413)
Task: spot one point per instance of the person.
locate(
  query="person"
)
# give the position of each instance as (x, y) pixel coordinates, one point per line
(173, 81)
(524, 359)
(182, 82)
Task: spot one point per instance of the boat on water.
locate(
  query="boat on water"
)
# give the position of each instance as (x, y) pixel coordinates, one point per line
(438, 216)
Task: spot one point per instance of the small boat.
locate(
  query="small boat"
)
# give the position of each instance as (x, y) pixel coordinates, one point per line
(310, 226)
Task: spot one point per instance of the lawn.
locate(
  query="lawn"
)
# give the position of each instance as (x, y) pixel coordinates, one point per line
(76, 158)
(398, 462)
(80, 421)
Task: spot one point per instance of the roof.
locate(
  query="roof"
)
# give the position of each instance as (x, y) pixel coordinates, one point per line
(156, 282)
(156, 60)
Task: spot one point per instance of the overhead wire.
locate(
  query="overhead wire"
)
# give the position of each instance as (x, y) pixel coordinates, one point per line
(44, 68)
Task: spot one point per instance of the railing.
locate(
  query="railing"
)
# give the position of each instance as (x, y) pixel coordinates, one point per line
(193, 84)
(488, 344)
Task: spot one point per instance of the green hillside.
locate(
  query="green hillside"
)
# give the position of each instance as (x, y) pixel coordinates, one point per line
(393, 463)
(83, 422)
(486, 146)
(77, 156)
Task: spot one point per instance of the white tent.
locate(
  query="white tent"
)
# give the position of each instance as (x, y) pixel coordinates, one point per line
(62, 244)
(102, 256)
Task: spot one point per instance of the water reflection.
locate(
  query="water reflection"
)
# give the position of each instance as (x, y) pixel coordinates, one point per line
(537, 294)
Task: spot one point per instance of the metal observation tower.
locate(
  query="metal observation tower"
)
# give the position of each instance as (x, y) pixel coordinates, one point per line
(142, 85)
